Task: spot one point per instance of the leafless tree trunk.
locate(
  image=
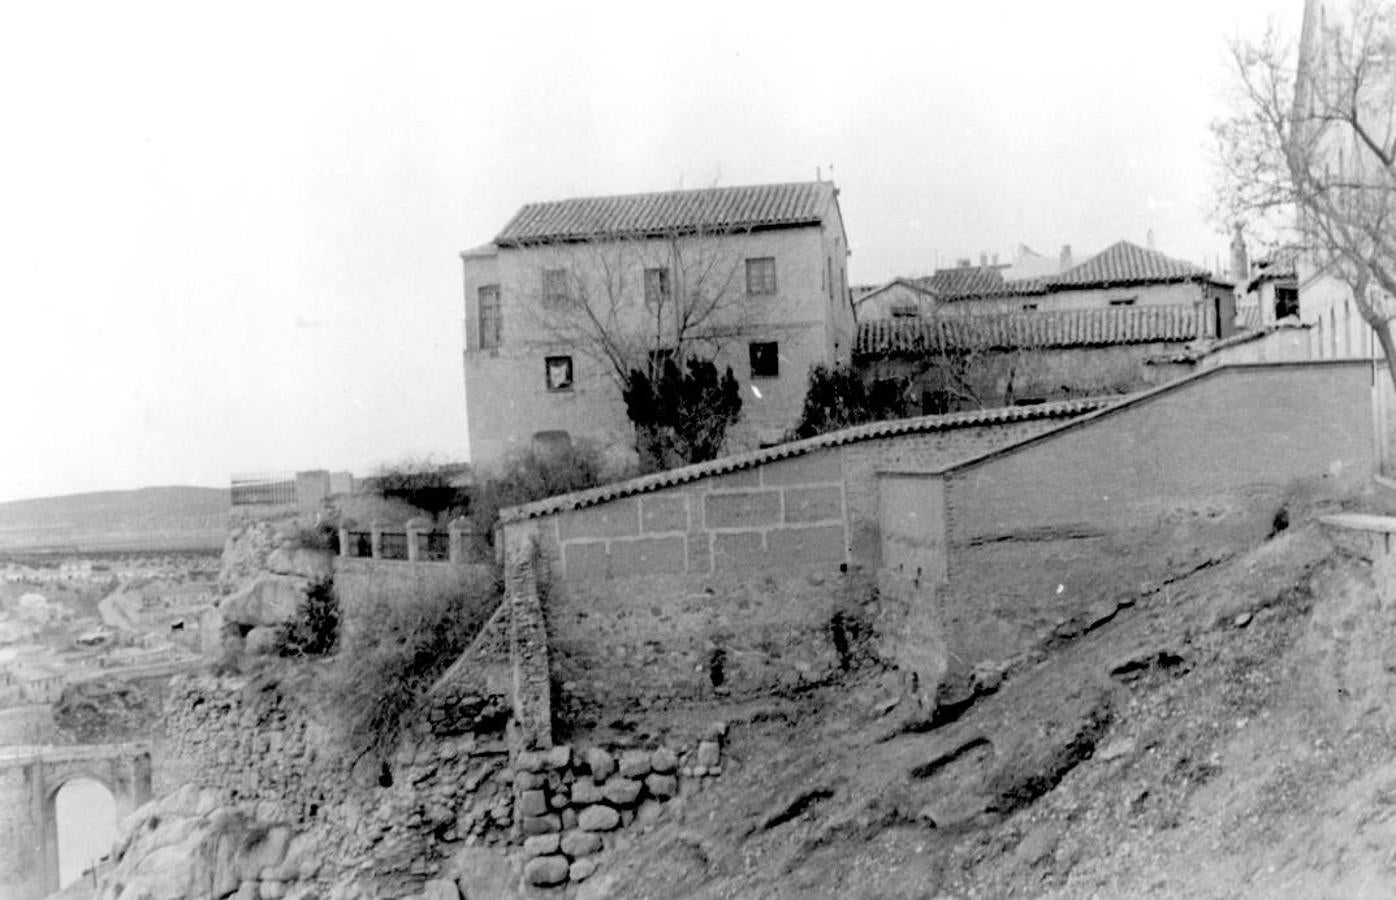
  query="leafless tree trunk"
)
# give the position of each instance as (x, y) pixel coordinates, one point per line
(1309, 153)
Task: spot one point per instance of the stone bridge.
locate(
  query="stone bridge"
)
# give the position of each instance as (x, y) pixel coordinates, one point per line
(30, 778)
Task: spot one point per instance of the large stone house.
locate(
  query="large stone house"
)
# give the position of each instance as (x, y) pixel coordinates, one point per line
(572, 294)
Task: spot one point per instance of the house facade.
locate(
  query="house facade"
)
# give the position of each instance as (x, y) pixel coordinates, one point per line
(572, 293)
(1122, 275)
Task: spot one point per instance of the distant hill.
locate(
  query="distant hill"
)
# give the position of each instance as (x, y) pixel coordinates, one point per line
(154, 518)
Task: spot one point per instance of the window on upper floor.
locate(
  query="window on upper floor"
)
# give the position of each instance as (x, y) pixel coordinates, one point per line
(491, 320)
(761, 275)
(1123, 301)
(554, 287)
(656, 286)
(1029, 307)
(1286, 302)
(558, 372)
(904, 309)
(765, 359)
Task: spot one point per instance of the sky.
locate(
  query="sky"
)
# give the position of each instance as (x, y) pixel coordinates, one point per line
(231, 233)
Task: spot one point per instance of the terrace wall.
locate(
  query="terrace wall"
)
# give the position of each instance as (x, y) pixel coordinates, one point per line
(753, 579)
(1044, 537)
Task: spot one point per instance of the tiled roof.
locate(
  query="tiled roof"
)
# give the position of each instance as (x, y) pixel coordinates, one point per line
(723, 208)
(1067, 328)
(1065, 409)
(1126, 263)
(973, 282)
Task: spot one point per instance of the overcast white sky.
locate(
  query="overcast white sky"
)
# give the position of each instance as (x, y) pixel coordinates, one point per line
(230, 233)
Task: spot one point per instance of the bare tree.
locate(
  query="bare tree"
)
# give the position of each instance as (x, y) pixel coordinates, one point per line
(631, 302)
(1309, 152)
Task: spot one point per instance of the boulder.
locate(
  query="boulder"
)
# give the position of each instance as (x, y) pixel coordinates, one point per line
(559, 757)
(601, 764)
(582, 869)
(541, 824)
(598, 818)
(581, 843)
(533, 803)
(662, 786)
(262, 640)
(709, 753)
(541, 845)
(268, 600)
(634, 764)
(440, 889)
(301, 561)
(546, 871)
(622, 791)
(664, 761)
(585, 791)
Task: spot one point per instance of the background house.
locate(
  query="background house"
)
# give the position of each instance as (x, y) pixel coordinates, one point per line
(571, 292)
(952, 363)
(1122, 275)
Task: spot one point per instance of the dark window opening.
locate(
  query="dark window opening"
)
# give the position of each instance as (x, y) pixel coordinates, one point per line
(1286, 302)
(558, 370)
(765, 359)
(1123, 301)
(717, 664)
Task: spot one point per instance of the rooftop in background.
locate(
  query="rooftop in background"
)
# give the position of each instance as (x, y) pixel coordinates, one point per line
(1039, 330)
(971, 282)
(752, 207)
(1121, 263)
(1126, 263)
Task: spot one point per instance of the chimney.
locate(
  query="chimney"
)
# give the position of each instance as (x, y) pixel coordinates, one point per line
(1064, 262)
(1240, 265)
(983, 260)
(1149, 239)
(996, 259)
(963, 263)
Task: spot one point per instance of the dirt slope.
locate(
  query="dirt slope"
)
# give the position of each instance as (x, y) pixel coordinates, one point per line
(1227, 735)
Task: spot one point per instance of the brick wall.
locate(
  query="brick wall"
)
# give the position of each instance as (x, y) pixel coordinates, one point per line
(1044, 536)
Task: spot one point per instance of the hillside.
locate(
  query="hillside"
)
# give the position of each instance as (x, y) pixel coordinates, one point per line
(1226, 735)
(154, 518)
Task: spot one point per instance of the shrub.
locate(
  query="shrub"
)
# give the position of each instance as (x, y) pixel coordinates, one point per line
(681, 416)
(533, 476)
(393, 656)
(315, 629)
(838, 398)
(426, 484)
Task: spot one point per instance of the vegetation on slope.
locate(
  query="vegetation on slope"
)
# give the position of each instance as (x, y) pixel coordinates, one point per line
(1227, 734)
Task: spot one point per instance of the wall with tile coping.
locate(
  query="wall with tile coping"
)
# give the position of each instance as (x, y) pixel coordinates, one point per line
(730, 583)
(1040, 539)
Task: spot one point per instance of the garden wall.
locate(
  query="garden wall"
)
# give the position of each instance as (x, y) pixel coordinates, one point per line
(745, 576)
(1045, 536)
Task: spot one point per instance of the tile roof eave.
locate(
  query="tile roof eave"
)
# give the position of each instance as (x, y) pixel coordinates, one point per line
(650, 234)
(890, 428)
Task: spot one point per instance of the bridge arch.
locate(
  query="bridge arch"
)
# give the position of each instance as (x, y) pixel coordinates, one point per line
(30, 779)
